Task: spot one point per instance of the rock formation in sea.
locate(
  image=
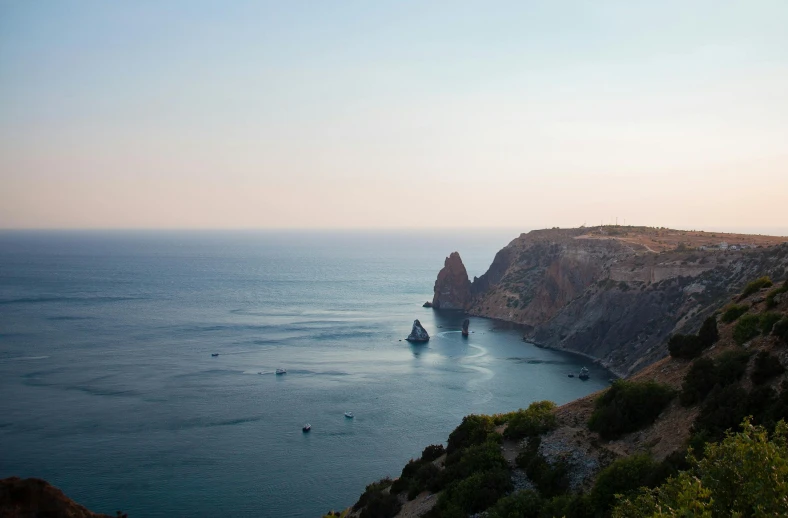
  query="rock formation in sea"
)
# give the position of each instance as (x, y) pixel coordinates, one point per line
(418, 333)
(465, 324)
(452, 287)
(22, 498)
(427, 304)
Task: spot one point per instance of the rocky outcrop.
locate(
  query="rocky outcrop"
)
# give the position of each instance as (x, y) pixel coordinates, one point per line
(427, 304)
(418, 333)
(24, 498)
(465, 324)
(452, 287)
(605, 292)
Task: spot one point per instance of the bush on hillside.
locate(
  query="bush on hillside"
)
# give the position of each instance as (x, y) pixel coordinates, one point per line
(704, 374)
(745, 475)
(780, 330)
(381, 505)
(766, 367)
(690, 346)
(754, 286)
(770, 302)
(372, 489)
(708, 334)
(474, 429)
(628, 406)
(767, 321)
(537, 419)
(623, 477)
(700, 379)
(432, 452)
(473, 494)
(568, 506)
(479, 457)
(722, 410)
(747, 328)
(520, 504)
(549, 478)
(733, 311)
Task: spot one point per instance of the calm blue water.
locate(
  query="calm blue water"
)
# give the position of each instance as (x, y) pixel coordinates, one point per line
(108, 388)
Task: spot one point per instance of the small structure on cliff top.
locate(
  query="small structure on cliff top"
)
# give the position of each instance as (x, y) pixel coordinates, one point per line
(465, 324)
(418, 333)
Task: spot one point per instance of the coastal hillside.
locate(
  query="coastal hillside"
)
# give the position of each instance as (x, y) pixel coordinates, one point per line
(611, 293)
(33, 497)
(665, 439)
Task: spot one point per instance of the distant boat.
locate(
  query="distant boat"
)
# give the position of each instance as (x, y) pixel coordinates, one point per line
(349, 414)
(583, 374)
(571, 375)
(307, 427)
(214, 354)
(281, 371)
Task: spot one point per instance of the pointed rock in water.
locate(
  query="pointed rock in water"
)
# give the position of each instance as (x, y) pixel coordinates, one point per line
(427, 304)
(418, 333)
(465, 324)
(452, 287)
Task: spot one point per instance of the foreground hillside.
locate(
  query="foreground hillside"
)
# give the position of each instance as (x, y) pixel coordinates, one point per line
(572, 460)
(34, 498)
(611, 293)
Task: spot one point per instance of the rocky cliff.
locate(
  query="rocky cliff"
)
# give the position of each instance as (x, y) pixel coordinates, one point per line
(611, 293)
(452, 287)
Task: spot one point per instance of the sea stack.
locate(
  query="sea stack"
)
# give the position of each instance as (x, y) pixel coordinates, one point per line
(465, 324)
(418, 333)
(427, 304)
(452, 287)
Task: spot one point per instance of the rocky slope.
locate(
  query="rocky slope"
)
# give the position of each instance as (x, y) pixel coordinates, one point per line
(611, 293)
(586, 453)
(32, 497)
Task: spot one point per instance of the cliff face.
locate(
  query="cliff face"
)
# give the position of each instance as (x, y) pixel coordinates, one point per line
(452, 287)
(611, 297)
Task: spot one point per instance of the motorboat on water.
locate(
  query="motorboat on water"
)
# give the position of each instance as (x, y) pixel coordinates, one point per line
(583, 374)
(349, 414)
(307, 427)
(281, 371)
(214, 354)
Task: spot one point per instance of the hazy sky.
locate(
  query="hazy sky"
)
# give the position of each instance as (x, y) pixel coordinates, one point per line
(393, 114)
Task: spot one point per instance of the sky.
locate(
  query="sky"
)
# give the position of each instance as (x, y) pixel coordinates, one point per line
(406, 114)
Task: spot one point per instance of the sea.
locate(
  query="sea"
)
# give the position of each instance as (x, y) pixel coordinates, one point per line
(110, 390)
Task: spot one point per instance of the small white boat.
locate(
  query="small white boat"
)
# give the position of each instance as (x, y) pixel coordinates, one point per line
(349, 414)
(307, 427)
(281, 371)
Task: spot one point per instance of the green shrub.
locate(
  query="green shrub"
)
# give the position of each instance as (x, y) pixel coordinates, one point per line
(381, 505)
(747, 328)
(690, 346)
(684, 346)
(754, 286)
(733, 311)
(623, 477)
(708, 334)
(780, 329)
(537, 419)
(700, 379)
(731, 366)
(745, 475)
(432, 452)
(372, 489)
(767, 321)
(549, 479)
(520, 504)
(723, 410)
(770, 303)
(628, 406)
(474, 493)
(479, 457)
(474, 429)
(568, 506)
(766, 367)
